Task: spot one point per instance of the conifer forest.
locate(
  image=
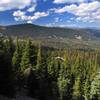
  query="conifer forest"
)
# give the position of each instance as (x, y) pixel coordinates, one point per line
(48, 74)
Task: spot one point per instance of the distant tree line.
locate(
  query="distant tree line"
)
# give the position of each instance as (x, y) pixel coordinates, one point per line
(67, 74)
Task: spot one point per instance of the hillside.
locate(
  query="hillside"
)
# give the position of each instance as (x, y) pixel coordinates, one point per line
(50, 36)
(40, 31)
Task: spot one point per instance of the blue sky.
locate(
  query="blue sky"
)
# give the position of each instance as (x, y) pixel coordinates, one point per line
(62, 13)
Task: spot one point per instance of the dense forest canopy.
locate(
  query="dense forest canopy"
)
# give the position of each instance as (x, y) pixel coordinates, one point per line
(48, 74)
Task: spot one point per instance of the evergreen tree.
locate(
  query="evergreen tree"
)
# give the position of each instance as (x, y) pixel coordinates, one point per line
(62, 85)
(16, 56)
(26, 56)
(1, 41)
(39, 59)
(63, 81)
(53, 66)
(86, 88)
(95, 88)
(77, 95)
(9, 47)
(76, 65)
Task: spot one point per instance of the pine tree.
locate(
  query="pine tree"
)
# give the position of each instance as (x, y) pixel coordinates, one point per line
(76, 65)
(86, 88)
(9, 47)
(16, 56)
(95, 88)
(62, 85)
(26, 56)
(1, 41)
(77, 89)
(39, 59)
(63, 81)
(53, 66)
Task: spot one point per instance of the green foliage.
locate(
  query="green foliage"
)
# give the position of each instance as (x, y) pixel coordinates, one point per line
(1, 41)
(49, 74)
(86, 88)
(63, 80)
(39, 59)
(95, 87)
(25, 61)
(62, 86)
(8, 47)
(77, 89)
(16, 56)
(53, 66)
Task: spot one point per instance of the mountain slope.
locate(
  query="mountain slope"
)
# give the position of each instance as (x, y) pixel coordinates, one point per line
(54, 36)
(40, 31)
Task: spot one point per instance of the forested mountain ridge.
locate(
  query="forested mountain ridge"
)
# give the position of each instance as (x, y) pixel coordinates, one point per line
(36, 31)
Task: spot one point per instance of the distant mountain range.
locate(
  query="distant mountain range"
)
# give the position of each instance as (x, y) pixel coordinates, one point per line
(34, 31)
(65, 35)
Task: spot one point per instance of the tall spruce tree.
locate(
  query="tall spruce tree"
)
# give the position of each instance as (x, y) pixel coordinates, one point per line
(39, 59)
(53, 66)
(95, 88)
(16, 56)
(63, 79)
(77, 93)
(86, 88)
(9, 47)
(26, 56)
(1, 41)
(62, 85)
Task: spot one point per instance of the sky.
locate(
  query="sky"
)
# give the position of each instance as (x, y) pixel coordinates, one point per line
(51, 13)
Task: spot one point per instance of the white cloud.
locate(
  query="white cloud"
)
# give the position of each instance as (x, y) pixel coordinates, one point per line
(14, 4)
(16, 19)
(84, 11)
(18, 13)
(67, 1)
(40, 14)
(69, 25)
(21, 16)
(29, 22)
(32, 8)
(72, 8)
